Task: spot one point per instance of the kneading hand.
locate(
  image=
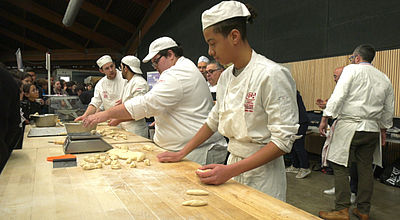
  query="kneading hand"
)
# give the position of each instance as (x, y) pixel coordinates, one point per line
(170, 157)
(80, 118)
(95, 119)
(218, 174)
(114, 122)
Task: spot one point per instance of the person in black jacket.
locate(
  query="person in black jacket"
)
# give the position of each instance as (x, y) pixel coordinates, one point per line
(298, 155)
(10, 117)
(29, 104)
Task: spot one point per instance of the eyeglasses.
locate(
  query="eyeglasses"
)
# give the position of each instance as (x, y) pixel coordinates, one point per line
(212, 71)
(351, 58)
(155, 63)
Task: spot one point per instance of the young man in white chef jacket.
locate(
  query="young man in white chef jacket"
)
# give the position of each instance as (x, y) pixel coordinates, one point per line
(136, 86)
(108, 90)
(256, 107)
(179, 102)
(363, 103)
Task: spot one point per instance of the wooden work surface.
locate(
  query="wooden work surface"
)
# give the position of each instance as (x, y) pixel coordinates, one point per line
(30, 188)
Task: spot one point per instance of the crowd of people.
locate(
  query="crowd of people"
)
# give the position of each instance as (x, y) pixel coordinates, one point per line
(237, 115)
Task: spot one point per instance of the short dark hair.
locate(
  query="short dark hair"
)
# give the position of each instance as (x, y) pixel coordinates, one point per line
(26, 75)
(216, 63)
(239, 23)
(27, 87)
(178, 51)
(366, 51)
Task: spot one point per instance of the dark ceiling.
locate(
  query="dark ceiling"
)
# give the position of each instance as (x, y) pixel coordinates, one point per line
(101, 27)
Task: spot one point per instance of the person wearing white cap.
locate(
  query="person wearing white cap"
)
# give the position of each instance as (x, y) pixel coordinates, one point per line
(255, 108)
(108, 90)
(179, 102)
(202, 63)
(136, 86)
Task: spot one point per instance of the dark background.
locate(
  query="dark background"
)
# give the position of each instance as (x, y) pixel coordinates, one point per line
(289, 30)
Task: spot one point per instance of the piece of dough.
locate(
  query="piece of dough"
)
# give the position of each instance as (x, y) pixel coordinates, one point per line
(194, 203)
(102, 158)
(97, 156)
(116, 166)
(89, 166)
(99, 165)
(147, 162)
(114, 162)
(107, 162)
(114, 157)
(203, 171)
(133, 164)
(197, 192)
(90, 159)
(147, 147)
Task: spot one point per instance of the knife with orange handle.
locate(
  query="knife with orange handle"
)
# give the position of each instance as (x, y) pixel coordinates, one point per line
(66, 156)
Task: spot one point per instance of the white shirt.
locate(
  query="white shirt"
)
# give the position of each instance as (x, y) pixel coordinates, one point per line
(180, 102)
(212, 88)
(271, 109)
(365, 93)
(107, 91)
(363, 100)
(254, 108)
(136, 86)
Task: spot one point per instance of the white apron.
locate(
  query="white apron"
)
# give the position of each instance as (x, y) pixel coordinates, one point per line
(339, 146)
(269, 178)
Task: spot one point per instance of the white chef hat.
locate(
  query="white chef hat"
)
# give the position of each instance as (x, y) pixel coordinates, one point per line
(203, 59)
(223, 11)
(158, 45)
(103, 60)
(133, 63)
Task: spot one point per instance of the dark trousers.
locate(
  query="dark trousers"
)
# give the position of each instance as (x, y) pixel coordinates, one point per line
(299, 156)
(362, 149)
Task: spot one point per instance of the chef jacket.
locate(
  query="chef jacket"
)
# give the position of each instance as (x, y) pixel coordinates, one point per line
(179, 102)
(362, 100)
(107, 91)
(254, 108)
(136, 86)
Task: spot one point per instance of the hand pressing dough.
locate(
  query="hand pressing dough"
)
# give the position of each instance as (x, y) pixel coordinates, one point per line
(147, 162)
(194, 203)
(197, 192)
(133, 164)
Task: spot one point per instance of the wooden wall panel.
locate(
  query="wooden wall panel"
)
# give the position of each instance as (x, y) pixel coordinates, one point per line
(314, 78)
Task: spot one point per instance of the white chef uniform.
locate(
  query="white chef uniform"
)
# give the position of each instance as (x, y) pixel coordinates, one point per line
(180, 103)
(252, 109)
(363, 100)
(107, 91)
(137, 86)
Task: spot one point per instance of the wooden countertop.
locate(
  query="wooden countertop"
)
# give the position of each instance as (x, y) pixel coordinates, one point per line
(31, 189)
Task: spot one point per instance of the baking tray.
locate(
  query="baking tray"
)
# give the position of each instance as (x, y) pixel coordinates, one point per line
(47, 131)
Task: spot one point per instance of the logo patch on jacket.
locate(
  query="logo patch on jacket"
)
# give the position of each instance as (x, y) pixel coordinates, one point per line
(249, 102)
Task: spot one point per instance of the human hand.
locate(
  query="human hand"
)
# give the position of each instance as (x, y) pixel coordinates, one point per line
(383, 136)
(119, 102)
(168, 156)
(323, 125)
(321, 103)
(80, 118)
(95, 119)
(114, 122)
(218, 174)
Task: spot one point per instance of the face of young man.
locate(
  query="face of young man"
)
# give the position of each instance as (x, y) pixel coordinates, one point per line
(219, 47)
(109, 70)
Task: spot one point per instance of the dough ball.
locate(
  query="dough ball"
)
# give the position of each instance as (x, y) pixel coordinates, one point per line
(114, 157)
(116, 166)
(99, 165)
(133, 164)
(97, 156)
(107, 162)
(147, 147)
(197, 192)
(194, 203)
(102, 158)
(115, 162)
(147, 162)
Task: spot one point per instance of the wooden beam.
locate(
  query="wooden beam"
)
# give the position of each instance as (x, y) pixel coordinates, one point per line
(151, 17)
(55, 18)
(62, 55)
(144, 3)
(23, 40)
(40, 30)
(98, 22)
(103, 14)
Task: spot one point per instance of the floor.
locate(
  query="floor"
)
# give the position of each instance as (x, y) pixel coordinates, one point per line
(307, 194)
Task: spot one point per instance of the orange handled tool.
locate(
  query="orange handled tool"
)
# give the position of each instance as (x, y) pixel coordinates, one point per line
(66, 156)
